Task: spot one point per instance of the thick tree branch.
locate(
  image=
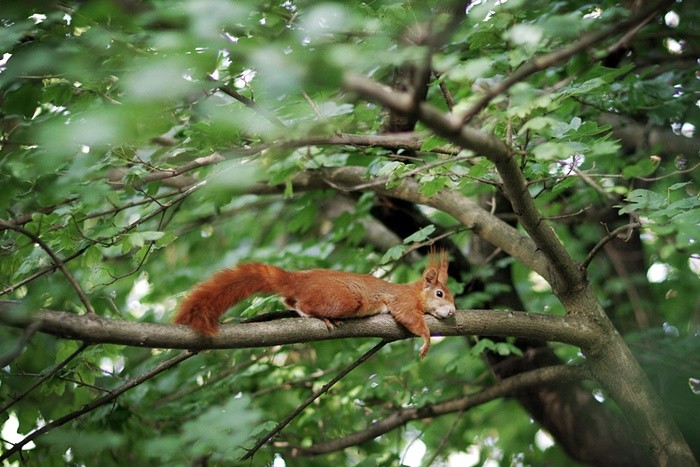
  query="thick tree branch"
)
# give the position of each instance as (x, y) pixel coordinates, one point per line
(611, 362)
(502, 388)
(95, 329)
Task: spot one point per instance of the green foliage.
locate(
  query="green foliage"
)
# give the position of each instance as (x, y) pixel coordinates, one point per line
(144, 143)
(501, 348)
(218, 433)
(666, 218)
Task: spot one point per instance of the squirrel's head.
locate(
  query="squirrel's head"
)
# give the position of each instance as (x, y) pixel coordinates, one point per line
(438, 299)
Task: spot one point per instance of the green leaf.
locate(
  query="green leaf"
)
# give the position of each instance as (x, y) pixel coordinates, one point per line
(481, 346)
(470, 70)
(640, 169)
(506, 348)
(431, 143)
(430, 184)
(678, 186)
(554, 151)
(389, 168)
(393, 253)
(641, 199)
(221, 430)
(82, 443)
(420, 235)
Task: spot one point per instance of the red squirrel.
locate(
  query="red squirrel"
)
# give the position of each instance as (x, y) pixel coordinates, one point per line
(324, 294)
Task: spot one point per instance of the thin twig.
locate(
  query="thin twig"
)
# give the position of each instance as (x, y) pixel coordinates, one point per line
(41, 272)
(675, 172)
(545, 61)
(590, 182)
(219, 376)
(57, 261)
(97, 402)
(280, 426)
(444, 440)
(628, 227)
(251, 104)
(384, 180)
(446, 94)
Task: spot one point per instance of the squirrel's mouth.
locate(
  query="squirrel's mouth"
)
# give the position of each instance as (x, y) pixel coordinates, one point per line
(442, 312)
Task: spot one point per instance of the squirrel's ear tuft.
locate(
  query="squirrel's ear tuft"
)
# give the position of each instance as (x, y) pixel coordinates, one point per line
(444, 264)
(437, 259)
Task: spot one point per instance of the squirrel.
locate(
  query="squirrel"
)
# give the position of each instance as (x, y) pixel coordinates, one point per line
(323, 293)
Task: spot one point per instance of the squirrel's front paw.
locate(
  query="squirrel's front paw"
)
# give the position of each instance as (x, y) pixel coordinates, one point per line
(424, 350)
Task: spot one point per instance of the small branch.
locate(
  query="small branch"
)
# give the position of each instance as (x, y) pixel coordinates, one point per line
(502, 388)
(445, 439)
(45, 377)
(592, 183)
(462, 208)
(406, 140)
(57, 261)
(594, 251)
(402, 140)
(41, 272)
(446, 94)
(251, 104)
(116, 175)
(280, 426)
(545, 61)
(219, 376)
(112, 395)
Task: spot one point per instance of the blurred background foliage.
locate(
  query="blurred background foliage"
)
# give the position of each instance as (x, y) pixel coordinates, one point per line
(106, 107)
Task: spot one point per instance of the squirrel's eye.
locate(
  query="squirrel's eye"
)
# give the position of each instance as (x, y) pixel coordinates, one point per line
(438, 293)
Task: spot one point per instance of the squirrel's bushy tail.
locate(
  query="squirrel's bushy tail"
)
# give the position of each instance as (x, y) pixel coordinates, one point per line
(210, 299)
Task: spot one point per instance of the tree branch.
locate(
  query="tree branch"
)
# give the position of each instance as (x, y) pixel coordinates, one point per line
(502, 388)
(95, 329)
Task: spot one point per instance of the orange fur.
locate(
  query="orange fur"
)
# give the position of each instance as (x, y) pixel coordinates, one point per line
(324, 294)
